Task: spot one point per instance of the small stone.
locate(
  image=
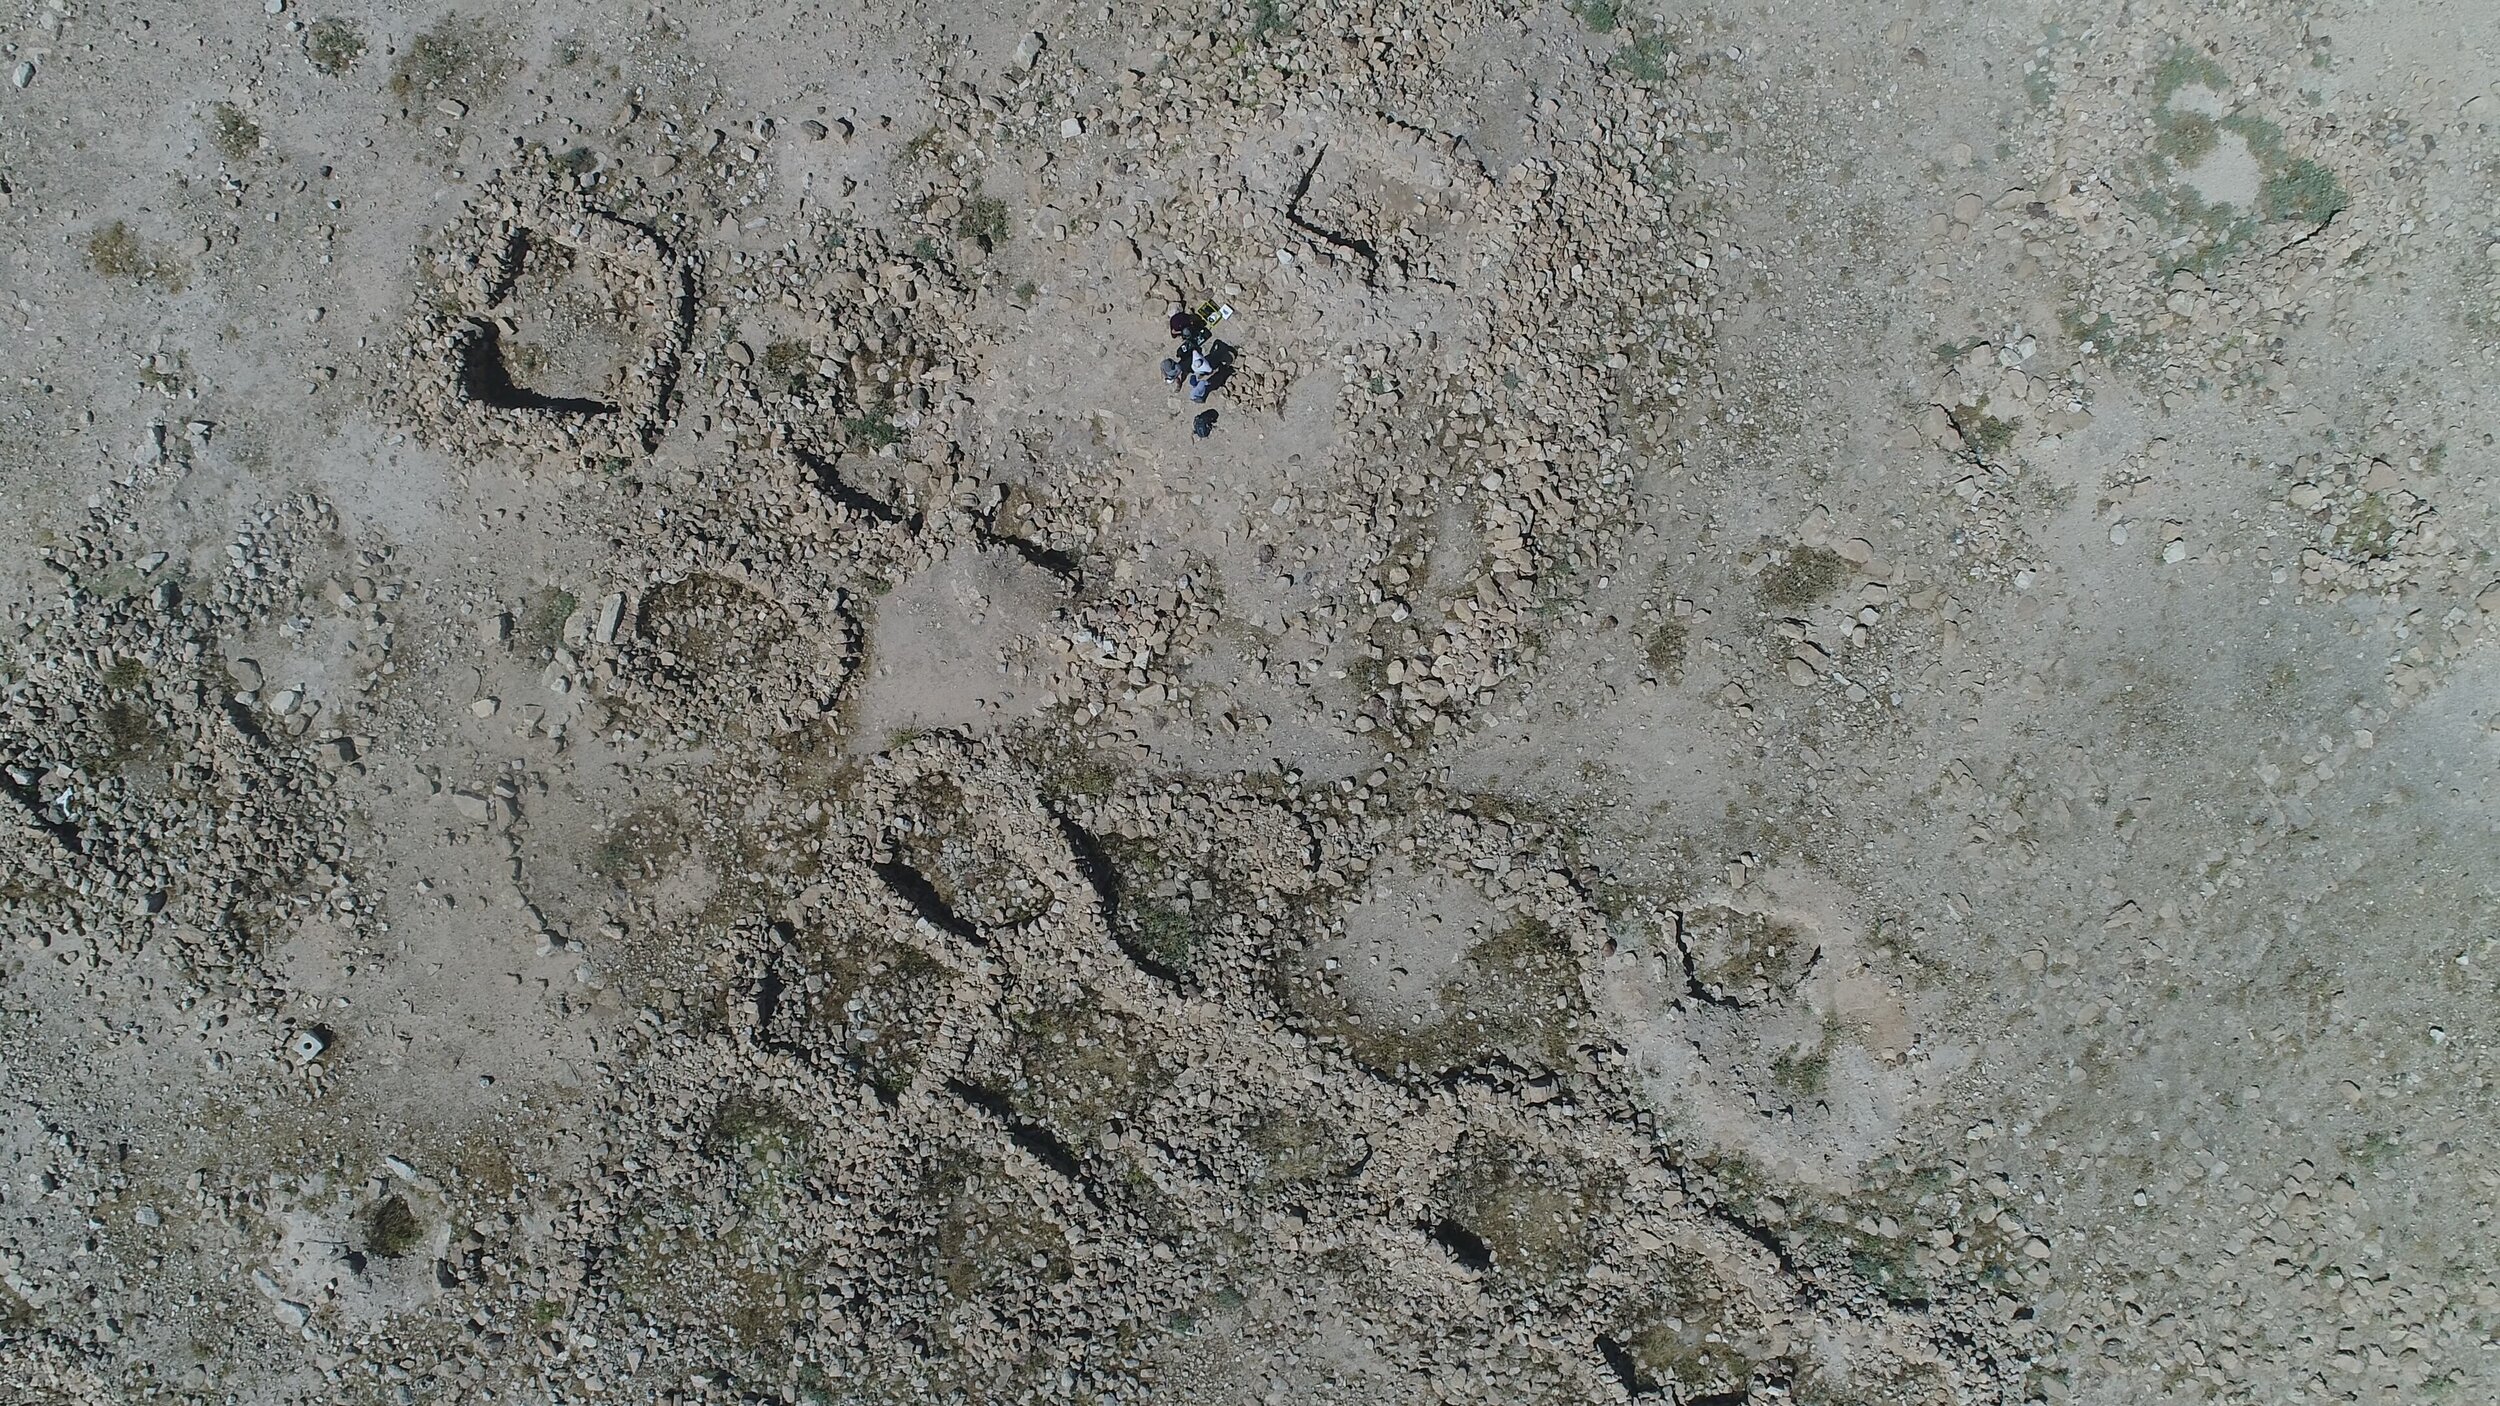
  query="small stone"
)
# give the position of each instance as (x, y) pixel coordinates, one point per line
(1028, 52)
(147, 1216)
(21, 75)
(245, 673)
(2175, 553)
(471, 805)
(611, 615)
(483, 708)
(1800, 673)
(1071, 127)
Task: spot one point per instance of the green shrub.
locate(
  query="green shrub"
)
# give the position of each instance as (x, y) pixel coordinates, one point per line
(116, 251)
(456, 56)
(1806, 574)
(1667, 643)
(235, 135)
(2302, 190)
(1649, 58)
(392, 1230)
(2183, 66)
(874, 430)
(333, 45)
(983, 220)
(1599, 15)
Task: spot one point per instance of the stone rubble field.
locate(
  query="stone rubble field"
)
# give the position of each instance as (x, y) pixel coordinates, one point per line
(1821, 724)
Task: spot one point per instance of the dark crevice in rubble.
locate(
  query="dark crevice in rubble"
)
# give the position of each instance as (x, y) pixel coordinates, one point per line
(1808, 1288)
(768, 992)
(516, 252)
(1636, 1383)
(485, 379)
(664, 376)
(914, 888)
(1504, 1075)
(1104, 877)
(1970, 431)
(1497, 1072)
(1703, 992)
(239, 715)
(1037, 1141)
(1694, 986)
(2312, 234)
(1050, 559)
(1293, 216)
(1092, 863)
(1464, 1245)
(828, 480)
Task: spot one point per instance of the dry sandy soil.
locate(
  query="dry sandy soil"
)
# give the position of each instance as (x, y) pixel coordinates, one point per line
(1821, 725)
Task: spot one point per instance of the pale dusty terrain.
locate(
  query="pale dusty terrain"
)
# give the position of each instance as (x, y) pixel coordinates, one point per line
(1822, 723)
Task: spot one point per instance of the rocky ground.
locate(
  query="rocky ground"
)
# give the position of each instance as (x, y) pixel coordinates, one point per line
(1821, 725)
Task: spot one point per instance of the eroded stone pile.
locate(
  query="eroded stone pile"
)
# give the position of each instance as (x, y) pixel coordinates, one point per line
(504, 264)
(154, 790)
(946, 1134)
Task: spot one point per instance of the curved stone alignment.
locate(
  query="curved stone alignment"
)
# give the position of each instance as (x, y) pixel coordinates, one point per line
(1806, 717)
(551, 326)
(963, 1142)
